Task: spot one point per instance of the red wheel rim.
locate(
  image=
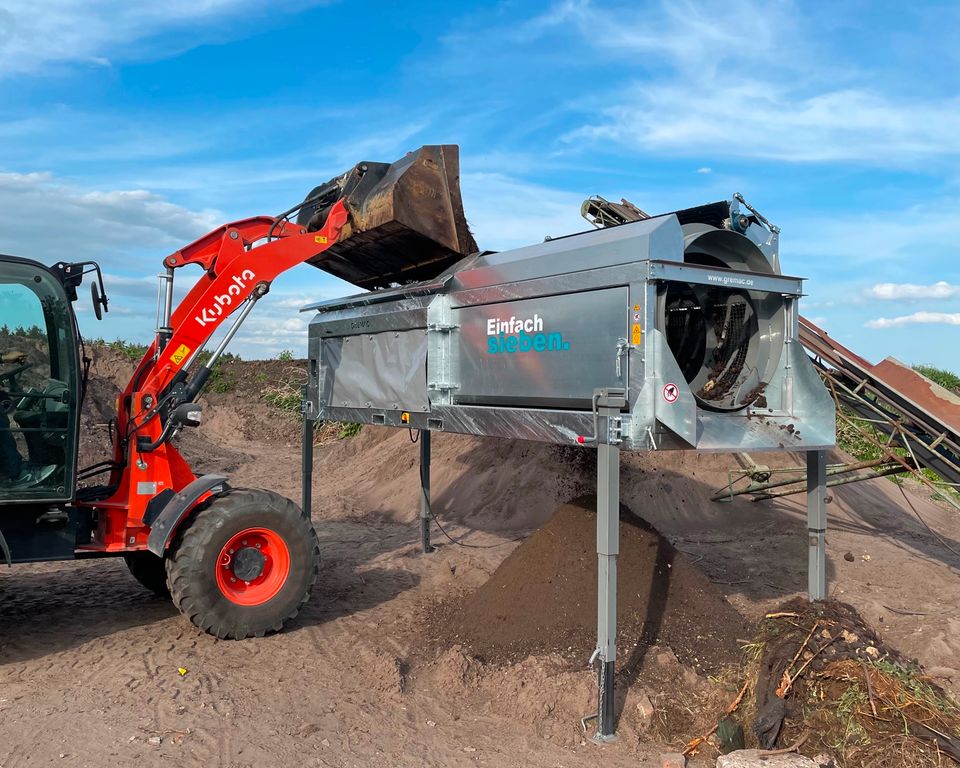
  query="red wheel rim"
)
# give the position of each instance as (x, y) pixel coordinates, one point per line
(253, 566)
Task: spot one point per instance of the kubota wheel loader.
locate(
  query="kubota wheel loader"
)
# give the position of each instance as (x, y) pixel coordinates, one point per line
(237, 562)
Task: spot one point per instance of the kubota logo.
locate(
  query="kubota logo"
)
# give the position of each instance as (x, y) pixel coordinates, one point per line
(224, 300)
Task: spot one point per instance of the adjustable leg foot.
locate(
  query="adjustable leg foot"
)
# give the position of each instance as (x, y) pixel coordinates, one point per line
(605, 703)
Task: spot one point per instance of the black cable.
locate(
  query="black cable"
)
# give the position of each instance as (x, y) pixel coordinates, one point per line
(341, 194)
(924, 522)
(472, 546)
(414, 435)
(285, 216)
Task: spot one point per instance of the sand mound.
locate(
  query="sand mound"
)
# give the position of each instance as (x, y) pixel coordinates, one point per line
(542, 599)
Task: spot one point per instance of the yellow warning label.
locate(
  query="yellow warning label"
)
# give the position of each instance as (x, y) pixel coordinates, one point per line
(636, 334)
(180, 354)
(404, 418)
(636, 307)
(320, 239)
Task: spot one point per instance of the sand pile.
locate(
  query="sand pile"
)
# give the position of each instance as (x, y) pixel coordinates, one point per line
(542, 599)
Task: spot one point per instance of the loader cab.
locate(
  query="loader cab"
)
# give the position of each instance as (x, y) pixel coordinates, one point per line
(39, 385)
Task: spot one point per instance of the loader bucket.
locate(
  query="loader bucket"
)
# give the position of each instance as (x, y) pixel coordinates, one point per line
(406, 219)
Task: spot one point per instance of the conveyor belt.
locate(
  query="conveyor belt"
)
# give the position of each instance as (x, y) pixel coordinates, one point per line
(920, 415)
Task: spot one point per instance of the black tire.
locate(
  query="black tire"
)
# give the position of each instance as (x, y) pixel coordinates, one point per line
(195, 557)
(149, 570)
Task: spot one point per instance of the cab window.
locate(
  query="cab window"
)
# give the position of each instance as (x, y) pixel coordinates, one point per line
(37, 401)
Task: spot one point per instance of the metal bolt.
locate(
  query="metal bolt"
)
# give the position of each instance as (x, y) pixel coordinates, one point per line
(231, 551)
(257, 545)
(233, 578)
(234, 234)
(244, 542)
(247, 583)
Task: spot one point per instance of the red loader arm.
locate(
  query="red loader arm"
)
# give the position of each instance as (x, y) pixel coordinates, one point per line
(238, 272)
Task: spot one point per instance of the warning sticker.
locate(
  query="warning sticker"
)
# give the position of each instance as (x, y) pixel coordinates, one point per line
(180, 354)
(671, 392)
(320, 239)
(636, 307)
(636, 334)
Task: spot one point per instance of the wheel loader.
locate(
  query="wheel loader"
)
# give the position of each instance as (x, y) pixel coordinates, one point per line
(237, 562)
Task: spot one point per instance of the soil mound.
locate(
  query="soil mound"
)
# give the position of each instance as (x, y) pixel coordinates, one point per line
(542, 599)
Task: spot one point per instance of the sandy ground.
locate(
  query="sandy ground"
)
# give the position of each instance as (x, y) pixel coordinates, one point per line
(89, 660)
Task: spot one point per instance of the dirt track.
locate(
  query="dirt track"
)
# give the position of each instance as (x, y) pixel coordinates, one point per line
(90, 660)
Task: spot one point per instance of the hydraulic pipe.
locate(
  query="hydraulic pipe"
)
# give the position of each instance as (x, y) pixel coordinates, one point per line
(200, 379)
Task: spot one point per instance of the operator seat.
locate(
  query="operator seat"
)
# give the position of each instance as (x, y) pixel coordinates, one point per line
(45, 418)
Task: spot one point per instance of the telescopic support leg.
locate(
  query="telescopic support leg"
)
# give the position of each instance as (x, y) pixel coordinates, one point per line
(425, 514)
(817, 524)
(306, 462)
(608, 547)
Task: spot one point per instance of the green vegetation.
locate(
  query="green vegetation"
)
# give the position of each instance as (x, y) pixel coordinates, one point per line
(917, 688)
(946, 379)
(348, 430)
(859, 445)
(286, 398)
(221, 379)
(286, 356)
(128, 349)
(864, 443)
(33, 332)
(848, 708)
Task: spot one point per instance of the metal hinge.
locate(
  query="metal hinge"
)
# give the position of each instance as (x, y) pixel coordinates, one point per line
(614, 430)
(442, 327)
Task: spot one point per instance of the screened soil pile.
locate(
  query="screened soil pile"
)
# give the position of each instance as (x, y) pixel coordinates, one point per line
(542, 599)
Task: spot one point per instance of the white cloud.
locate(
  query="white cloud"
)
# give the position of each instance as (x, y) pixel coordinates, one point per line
(904, 239)
(91, 31)
(917, 318)
(748, 79)
(505, 212)
(704, 170)
(911, 291)
(772, 121)
(49, 219)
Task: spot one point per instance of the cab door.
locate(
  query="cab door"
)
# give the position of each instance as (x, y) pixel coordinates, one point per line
(39, 387)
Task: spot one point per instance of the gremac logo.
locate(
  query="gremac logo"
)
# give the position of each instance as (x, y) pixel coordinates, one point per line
(224, 300)
(522, 335)
(746, 282)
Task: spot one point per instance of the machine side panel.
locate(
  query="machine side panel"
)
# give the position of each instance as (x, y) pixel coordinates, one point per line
(550, 350)
(379, 370)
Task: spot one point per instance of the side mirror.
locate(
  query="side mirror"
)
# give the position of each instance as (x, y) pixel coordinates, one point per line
(99, 301)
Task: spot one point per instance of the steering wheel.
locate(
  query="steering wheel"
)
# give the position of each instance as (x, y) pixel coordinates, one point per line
(11, 376)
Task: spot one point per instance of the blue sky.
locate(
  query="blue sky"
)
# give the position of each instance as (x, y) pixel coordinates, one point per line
(127, 129)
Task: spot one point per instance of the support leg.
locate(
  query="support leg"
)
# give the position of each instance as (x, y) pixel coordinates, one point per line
(817, 524)
(425, 545)
(608, 547)
(306, 464)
